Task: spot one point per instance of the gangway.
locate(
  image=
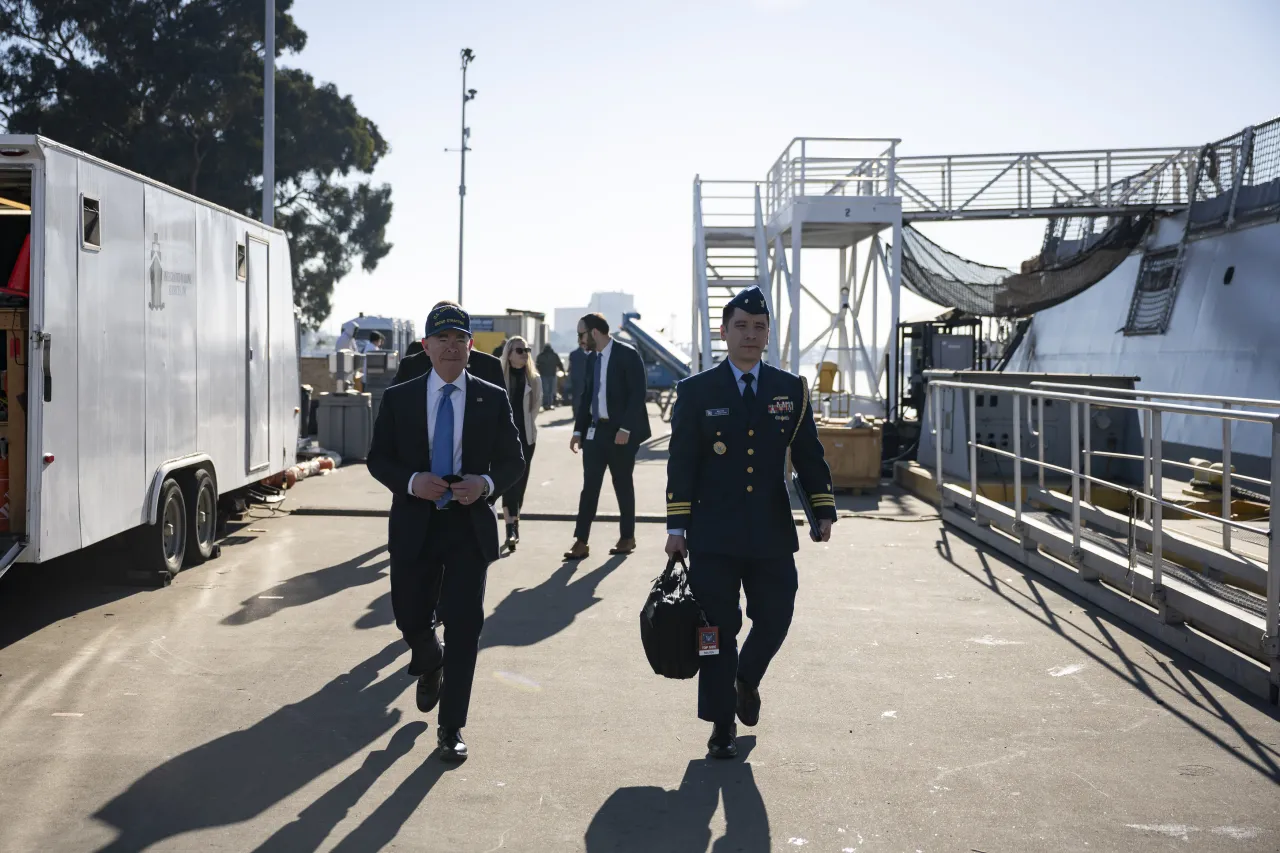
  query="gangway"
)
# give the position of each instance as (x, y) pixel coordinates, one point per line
(1219, 605)
(665, 365)
(854, 196)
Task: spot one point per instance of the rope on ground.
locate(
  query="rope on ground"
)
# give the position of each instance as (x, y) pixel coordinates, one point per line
(897, 518)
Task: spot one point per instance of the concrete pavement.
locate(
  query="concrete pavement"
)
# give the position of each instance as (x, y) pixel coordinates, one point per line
(930, 697)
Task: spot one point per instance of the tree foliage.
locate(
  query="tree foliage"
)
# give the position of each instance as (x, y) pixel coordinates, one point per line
(173, 89)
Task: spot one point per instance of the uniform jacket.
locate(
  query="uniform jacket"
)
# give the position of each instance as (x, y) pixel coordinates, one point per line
(625, 389)
(726, 476)
(400, 449)
(479, 364)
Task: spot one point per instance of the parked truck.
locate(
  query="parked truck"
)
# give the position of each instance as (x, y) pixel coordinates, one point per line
(149, 355)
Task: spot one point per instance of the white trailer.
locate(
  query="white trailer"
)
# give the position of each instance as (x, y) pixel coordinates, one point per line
(151, 370)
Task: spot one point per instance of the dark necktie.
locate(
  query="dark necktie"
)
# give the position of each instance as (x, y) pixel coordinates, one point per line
(748, 393)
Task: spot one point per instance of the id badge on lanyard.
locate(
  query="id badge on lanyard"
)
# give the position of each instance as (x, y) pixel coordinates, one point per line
(591, 434)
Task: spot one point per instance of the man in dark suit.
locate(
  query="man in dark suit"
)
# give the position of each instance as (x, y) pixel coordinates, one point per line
(610, 422)
(446, 446)
(729, 508)
(417, 361)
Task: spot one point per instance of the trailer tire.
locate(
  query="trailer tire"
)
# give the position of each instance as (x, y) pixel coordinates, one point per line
(201, 497)
(162, 546)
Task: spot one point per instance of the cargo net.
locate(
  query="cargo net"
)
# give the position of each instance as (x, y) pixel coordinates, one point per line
(1074, 258)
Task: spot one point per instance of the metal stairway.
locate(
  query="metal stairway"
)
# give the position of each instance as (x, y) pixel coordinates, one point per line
(730, 253)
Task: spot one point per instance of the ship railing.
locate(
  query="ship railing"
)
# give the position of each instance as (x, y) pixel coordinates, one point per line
(1153, 407)
(1226, 402)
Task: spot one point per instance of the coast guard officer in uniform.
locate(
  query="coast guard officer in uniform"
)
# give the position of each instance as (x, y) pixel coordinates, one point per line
(728, 509)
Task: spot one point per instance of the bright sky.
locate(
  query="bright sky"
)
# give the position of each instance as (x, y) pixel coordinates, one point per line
(594, 116)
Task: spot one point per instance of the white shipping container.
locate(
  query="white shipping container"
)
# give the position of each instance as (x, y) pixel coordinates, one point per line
(163, 369)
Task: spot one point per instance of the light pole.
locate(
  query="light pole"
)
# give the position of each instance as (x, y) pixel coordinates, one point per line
(269, 119)
(467, 95)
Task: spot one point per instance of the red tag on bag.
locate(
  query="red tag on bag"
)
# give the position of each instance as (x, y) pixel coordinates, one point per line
(708, 641)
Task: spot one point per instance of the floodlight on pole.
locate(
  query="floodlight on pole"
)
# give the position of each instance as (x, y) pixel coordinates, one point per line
(467, 95)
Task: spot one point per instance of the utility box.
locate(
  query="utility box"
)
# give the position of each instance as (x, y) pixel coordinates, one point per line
(344, 424)
(853, 455)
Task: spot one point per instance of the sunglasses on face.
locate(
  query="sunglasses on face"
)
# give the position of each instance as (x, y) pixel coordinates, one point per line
(520, 350)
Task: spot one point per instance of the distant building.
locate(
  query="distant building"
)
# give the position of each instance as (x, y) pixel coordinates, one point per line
(613, 305)
(564, 332)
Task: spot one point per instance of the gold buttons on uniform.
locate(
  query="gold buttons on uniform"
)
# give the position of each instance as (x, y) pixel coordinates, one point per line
(750, 452)
(750, 470)
(751, 432)
(717, 433)
(749, 489)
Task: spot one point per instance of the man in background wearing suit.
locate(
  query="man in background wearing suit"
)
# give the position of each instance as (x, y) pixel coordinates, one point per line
(446, 446)
(417, 361)
(610, 422)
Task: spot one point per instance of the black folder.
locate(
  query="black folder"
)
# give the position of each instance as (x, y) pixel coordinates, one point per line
(807, 506)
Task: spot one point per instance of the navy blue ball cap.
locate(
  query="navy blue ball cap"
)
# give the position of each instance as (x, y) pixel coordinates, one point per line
(751, 300)
(446, 317)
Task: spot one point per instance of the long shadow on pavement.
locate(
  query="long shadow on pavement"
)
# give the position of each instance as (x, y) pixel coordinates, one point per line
(647, 818)
(1138, 674)
(529, 616)
(242, 774)
(312, 586)
(316, 821)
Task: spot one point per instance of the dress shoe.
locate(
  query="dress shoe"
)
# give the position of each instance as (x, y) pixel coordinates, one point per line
(748, 704)
(429, 687)
(449, 745)
(724, 741)
(624, 546)
(579, 551)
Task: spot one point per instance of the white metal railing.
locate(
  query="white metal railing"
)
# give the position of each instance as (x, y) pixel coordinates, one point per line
(727, 204)
(1045, 183)
(1227, 403)
(824, 166)
(1153, 411)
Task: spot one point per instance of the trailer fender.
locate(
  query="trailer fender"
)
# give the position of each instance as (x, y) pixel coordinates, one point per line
(151, 509)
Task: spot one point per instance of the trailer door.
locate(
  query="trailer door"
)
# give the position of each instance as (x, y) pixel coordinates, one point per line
(257, 356)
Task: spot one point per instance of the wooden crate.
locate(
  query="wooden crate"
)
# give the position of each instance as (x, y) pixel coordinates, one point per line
(853, 456)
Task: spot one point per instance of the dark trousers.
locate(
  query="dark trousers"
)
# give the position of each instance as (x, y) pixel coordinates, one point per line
(447, 577)
(513, 498)
(770, 585)
(598, 454)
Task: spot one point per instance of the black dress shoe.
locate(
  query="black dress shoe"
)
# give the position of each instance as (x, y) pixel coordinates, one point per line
(748, 704)
(429, 687)
(724, 741)
(449, 745)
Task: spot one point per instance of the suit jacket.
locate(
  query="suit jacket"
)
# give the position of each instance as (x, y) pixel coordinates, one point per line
(726, 476)
(479, 364)
(625, 389)
(577, 375)
(400, 449)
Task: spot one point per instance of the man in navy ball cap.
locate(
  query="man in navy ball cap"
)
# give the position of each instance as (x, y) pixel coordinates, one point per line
(446, 446)
(728, 508)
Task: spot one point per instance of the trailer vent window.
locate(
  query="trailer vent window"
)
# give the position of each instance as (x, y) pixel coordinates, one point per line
(242, 262)
(1154, 294)
(90, 224)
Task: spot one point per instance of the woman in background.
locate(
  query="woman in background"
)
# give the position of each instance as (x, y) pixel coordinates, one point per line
(524, 387)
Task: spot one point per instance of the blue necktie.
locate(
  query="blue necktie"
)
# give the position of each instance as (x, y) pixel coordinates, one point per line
(597, 358)
(442, 442)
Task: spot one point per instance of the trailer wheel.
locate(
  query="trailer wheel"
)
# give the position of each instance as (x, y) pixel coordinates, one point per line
(201, 498)
(162, 546)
